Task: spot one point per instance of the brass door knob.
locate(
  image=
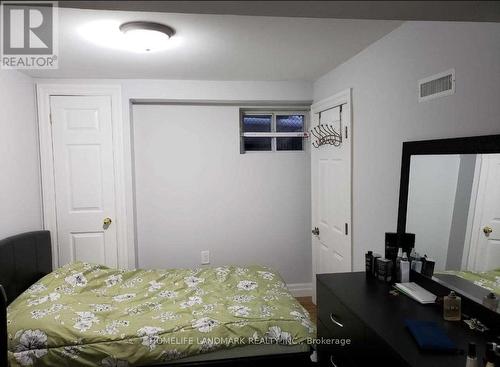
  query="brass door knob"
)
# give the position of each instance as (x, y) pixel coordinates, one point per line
(487, 230)
(315, 231)
(107, 221)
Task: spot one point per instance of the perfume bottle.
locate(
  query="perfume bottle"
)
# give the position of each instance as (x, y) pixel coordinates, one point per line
(452, 307)
(471, 356)
(491, 301)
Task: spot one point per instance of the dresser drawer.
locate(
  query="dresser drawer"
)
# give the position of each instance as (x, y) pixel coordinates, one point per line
(331, 359)
(339, 342)
(335, 321)
(341, 334)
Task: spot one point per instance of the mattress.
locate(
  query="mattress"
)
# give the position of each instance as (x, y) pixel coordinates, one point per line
(91, 315)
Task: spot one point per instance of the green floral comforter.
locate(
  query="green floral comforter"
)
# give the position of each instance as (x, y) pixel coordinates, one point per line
(91, 315)
(489, 280)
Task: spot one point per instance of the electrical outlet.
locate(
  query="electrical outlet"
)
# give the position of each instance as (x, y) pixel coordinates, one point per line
(205, 257)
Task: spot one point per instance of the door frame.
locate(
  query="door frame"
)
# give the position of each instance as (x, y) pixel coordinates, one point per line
(49, 221)
(344, 97)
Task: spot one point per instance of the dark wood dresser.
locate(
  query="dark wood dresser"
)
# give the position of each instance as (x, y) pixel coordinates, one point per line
(363, 311)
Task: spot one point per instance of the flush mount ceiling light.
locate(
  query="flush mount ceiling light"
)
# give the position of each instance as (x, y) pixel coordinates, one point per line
(139, 37)
(147, 36)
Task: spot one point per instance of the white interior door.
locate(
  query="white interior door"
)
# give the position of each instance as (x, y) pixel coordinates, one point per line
(82, 142)
(485, 244)
(331, 194)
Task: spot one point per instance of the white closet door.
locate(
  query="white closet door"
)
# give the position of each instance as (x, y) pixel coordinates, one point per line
(331, 196)
(485, 246)
(84, 179)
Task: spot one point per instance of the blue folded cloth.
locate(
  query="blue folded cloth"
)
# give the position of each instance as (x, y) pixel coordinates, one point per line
(430, 336)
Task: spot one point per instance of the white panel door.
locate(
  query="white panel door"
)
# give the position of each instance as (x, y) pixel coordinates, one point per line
(84, 179)
(485, 246)
(331, 197)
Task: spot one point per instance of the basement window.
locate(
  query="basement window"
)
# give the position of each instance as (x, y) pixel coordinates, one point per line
(272, 130)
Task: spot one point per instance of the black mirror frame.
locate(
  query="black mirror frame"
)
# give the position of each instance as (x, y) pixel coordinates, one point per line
(467, 145)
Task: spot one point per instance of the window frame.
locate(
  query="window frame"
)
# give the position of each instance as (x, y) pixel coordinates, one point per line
(273, 112)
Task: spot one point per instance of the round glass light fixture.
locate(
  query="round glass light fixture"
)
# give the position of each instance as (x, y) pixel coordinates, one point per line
(107, 33)
(146, 36)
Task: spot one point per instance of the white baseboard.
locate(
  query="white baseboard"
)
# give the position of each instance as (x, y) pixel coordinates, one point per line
(300, 289)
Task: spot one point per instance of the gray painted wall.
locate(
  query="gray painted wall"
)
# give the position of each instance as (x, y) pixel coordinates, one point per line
(386, 111)
(431, 199)
(20, 202)
(195, 191)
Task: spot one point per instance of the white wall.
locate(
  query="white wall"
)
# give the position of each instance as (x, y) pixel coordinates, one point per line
(195, 191)
(386, 111)
(20, 203)
(431, 201)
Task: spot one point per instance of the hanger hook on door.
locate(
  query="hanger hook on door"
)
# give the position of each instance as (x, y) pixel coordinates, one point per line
(325, 134)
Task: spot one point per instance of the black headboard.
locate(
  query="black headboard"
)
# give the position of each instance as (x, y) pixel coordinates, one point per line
(24, 259)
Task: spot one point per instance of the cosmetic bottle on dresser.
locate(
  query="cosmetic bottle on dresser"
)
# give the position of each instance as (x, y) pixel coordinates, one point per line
(497, 355)
(471, 356)
(369, 264)
(489, 360)
(397, 263)
(375, 264)
(452, 307)
(491, 301)
(416, 263)
(404, 269)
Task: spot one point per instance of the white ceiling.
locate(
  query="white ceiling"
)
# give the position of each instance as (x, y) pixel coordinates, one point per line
(216, 47)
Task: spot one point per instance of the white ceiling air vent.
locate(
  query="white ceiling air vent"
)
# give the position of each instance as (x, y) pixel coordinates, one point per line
(439, 85)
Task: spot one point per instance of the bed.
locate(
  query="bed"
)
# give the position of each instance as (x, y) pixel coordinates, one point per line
(91, 315)
(489, 280)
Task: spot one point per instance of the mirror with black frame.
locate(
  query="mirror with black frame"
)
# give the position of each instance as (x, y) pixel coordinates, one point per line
(450, 200)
